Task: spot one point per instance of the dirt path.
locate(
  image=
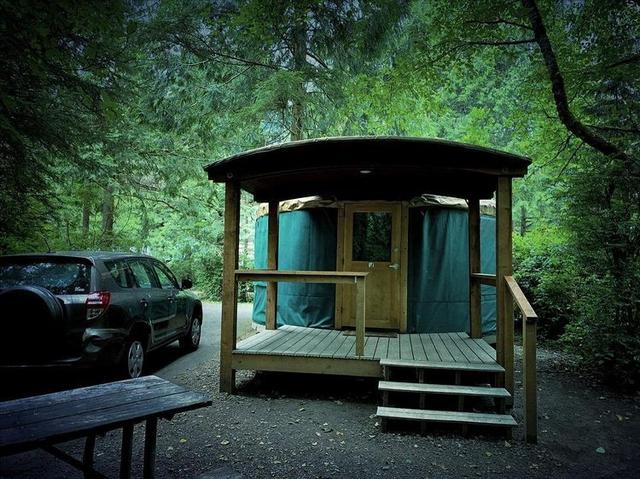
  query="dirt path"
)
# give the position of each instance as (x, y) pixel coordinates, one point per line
(307, 427)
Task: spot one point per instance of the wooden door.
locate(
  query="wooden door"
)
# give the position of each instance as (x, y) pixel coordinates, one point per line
(372, 242)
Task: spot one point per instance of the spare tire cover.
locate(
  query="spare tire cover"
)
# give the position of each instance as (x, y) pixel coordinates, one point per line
(31, 321)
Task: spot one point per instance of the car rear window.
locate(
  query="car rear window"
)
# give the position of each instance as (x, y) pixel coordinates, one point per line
(59, 277)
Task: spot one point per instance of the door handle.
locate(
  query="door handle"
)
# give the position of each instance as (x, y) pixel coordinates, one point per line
(394, 266)
(144, 302)
(171, 299)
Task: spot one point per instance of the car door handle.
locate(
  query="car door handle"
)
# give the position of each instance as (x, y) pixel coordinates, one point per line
(171, 299)
(144, 302)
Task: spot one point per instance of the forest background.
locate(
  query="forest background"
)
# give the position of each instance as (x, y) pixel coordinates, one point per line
(109, 111)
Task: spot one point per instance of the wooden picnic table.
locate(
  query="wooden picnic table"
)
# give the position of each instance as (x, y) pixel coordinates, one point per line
(43, 421)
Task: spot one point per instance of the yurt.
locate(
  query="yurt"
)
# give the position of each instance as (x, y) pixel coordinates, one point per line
(433, 232)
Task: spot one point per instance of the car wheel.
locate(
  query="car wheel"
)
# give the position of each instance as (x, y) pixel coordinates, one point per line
(133, 358)
(191, 340)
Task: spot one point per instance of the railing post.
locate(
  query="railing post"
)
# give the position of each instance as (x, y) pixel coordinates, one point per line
(228, 326)
(475, 326)
(272, 286)
(360, 315)
(504, 267)
(529, 372)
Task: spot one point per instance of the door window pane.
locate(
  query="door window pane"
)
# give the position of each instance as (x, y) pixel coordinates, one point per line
(372, 237)
(166, 281)
(142, 274)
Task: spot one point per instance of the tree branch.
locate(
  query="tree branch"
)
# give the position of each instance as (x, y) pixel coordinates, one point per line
(498, 21)
(565, 114)
(501, 43)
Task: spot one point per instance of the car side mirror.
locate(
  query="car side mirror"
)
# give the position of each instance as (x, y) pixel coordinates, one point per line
(187, 283)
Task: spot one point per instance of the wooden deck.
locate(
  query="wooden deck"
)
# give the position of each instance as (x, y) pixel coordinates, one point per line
(333, 352)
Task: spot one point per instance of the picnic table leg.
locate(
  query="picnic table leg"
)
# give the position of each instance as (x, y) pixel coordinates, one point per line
(125, 453)
(87, 456)
(150, 433)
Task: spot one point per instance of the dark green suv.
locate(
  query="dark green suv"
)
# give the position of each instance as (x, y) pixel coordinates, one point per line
(92, 308)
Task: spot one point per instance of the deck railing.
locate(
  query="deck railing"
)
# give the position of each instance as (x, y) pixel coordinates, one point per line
(358, 279)
(529, 324)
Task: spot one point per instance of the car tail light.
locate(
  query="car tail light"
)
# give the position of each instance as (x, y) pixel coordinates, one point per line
(97, 303)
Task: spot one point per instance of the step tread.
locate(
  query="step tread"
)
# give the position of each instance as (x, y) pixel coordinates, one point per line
(482, 367)
(453, 417)
(459, 390)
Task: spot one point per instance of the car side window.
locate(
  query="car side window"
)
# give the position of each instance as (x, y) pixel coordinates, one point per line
(120, 273)
(167, 281)
(143, 274)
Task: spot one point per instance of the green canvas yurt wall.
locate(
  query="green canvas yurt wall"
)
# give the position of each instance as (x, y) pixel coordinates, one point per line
(307, 241)
(438, 271)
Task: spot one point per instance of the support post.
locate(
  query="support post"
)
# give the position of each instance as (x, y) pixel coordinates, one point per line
(475, 317)
(228, 328)
(504, 267)
(272, 286)
(125, 452)
(150, 438)
(88, 455)
(530, 381)
(360, 315)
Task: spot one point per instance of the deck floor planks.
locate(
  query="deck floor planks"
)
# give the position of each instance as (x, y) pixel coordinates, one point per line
(325, 343)
(256, 338)
(289, 338)
(382, 349)
(417, 348)
(429, 348)
(348, 343)
(443, 352)
(473, 346)
(486, 347)
(311, 339)
(453, 349)
(335, 345)
(482, 354)
(393, 351)
(370, 346)
(461, 343)
(406, 352)
(271, 342)
(319, 348)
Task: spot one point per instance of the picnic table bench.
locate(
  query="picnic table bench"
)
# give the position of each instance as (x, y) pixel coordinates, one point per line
(43, 421)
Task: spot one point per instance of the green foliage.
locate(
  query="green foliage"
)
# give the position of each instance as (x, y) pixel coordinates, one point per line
(546, 271)
(605, 341)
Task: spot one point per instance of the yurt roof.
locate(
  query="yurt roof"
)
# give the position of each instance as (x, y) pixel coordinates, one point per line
(368, 168)
(487, 207)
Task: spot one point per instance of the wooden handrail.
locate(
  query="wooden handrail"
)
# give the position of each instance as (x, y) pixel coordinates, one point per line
(356, 278)
(528, 359)
(270, 275)
(484, 278)
(521, 300)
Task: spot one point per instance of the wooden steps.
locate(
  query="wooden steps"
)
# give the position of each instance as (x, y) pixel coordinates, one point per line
(450, 417)
(447, 392)
(446, 389)
(448, 366)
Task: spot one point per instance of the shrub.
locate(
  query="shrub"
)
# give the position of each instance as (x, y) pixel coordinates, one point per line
(546, 272)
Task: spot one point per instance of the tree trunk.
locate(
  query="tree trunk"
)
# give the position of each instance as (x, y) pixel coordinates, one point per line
(86, 218)
(299, 52)
(558, 88)
(107, 218)
(523, 220)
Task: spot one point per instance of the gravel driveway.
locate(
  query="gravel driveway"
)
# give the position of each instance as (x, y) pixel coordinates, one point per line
(297, 426)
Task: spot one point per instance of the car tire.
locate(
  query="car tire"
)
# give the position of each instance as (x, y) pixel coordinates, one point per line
(134, 356)
(191, 340)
